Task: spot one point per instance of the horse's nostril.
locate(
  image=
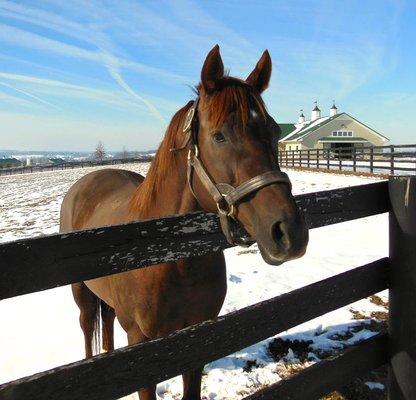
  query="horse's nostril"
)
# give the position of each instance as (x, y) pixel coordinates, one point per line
(279, 236)
(277, 232)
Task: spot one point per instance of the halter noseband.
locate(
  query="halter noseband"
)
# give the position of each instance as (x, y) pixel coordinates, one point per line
(225, 196)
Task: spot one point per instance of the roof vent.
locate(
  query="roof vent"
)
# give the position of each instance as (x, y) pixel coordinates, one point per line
(301, 118)
(333, 110)
(316, 112)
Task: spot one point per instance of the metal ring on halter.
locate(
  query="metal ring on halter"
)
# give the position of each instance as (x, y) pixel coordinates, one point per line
(196, 154)
(228, 213)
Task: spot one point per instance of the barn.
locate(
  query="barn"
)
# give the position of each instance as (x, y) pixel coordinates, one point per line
(10, 162)
(328, 132)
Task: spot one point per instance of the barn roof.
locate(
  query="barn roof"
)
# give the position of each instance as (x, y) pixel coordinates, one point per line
(300, 131)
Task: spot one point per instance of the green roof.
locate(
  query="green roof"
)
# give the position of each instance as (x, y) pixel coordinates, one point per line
(342, 139)
(286, 129)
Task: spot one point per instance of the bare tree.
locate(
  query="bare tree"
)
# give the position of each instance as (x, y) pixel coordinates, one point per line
(100, 152)
(125, 154)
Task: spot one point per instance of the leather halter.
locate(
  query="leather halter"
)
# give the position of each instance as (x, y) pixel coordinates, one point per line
(225, 196)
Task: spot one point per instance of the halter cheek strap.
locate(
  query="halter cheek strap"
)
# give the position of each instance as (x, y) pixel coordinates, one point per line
(225, 195)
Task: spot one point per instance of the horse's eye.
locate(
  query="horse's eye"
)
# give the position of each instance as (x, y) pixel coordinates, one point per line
(218, 137)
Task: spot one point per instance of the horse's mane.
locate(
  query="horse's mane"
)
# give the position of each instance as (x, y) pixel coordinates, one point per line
(232, 95)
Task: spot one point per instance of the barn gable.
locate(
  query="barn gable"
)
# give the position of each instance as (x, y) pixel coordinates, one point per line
(335, 130)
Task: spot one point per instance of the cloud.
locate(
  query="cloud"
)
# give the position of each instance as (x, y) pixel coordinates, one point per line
(30, 95)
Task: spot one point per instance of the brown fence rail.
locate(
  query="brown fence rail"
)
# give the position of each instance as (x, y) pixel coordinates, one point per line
(71, 165)
(391, 160)
(52, 261)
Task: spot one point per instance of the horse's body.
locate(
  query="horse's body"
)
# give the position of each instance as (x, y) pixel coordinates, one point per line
(155, 301)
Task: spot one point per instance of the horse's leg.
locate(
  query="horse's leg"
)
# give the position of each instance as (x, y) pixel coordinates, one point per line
(134, 336)
(107, 317)
(87, 303)
(192, 384)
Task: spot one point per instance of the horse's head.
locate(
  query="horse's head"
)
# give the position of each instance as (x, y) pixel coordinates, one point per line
(235, 142)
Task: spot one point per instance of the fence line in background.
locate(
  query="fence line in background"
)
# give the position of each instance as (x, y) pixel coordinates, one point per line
(71, 165)
(391, 160)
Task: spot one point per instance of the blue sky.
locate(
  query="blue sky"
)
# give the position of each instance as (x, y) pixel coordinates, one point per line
(75, 72)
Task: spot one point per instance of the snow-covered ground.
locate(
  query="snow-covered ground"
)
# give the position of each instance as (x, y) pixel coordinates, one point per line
(40, 331)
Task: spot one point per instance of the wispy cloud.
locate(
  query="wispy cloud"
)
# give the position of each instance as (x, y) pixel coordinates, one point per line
(30, 95)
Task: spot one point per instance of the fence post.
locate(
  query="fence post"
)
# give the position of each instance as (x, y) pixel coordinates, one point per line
(327, 158)
(309, 157)
(391, 160)
(293, 158)
(371, 159)
(402, 294)
(354, 161)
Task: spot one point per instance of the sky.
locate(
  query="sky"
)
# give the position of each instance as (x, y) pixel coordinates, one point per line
(76, 72)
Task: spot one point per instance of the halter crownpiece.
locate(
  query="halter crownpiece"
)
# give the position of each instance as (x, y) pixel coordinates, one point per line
(226, 196)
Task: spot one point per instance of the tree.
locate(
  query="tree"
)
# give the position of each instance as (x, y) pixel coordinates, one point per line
(125, 154)
(100, 152)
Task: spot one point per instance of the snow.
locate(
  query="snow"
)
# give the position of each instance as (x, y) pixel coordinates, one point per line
(41, 331)
(305, 125)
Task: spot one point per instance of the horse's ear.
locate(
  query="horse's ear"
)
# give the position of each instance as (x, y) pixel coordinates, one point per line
(213, 70)
(260, 76)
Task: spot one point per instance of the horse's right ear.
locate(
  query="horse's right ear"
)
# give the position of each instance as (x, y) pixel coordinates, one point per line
(212, 70)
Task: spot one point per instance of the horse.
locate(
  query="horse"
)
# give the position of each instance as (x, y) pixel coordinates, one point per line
(217, 155)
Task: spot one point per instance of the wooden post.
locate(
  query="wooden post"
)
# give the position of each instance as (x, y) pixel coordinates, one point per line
(402, 294)
(339, 158)
(371, 159)
(391, 160)
(300, 158)
(354, 159)
(309, 157)
(327, 158)
(293, 158)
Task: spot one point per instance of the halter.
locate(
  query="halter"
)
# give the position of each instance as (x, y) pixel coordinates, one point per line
(225, 196)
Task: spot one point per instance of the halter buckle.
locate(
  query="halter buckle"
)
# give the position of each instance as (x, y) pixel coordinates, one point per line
(228, 213)
(196, 152)
(188, 120)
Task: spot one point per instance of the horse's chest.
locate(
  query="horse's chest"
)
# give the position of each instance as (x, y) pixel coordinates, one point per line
(178, 295)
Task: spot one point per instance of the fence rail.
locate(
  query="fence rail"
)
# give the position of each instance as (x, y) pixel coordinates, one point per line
(391, 160)
(71, 165)
(41, 262)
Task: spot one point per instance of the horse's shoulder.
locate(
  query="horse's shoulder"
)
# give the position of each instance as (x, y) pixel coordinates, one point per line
(97, 197)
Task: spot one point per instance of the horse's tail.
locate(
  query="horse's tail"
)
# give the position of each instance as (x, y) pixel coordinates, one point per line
(102, 335)
(96, 337)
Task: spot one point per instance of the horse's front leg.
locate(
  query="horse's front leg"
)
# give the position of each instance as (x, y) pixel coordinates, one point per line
(135, 335)
(192, 384)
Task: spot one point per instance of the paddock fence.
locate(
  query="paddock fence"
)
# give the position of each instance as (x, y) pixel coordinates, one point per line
(386, 160)
(32, 265)
(71, 165)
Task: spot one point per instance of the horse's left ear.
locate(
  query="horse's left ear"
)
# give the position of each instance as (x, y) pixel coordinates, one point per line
(260, 76)
(213, 70)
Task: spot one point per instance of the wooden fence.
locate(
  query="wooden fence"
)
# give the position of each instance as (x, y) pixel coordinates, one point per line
(71, 165)
(36, 264)
(392, 160)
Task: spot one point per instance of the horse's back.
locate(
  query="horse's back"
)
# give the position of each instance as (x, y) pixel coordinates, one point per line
(99, 198)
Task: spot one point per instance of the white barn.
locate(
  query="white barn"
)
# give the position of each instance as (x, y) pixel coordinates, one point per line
(335, 130)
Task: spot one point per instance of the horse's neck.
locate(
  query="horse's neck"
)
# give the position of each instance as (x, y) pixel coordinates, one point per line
(174, 196)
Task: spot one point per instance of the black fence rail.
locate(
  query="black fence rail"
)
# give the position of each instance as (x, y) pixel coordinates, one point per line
(41, 263)
(71, 165)
(386, 160)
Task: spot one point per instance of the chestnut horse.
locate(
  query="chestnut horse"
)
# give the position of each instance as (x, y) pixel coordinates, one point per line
(226, 136)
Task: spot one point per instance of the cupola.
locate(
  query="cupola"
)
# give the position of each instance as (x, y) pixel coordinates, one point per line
(316, 112)
(301, 117)
(333, 110)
